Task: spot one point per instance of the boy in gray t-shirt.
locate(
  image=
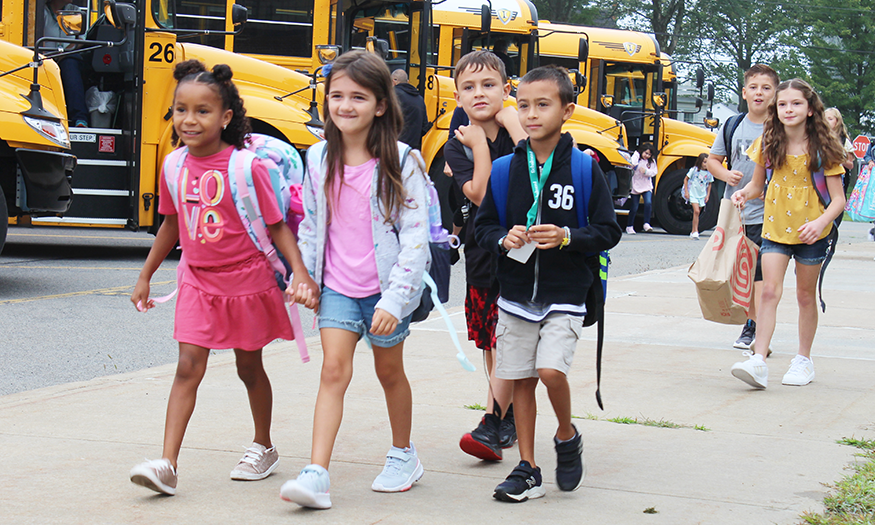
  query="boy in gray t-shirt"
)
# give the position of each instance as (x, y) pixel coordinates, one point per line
(760, 82)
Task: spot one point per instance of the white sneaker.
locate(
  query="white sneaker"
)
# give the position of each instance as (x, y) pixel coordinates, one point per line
(753, 372)
(694, 235)
(630, 230)
(401, 471)
(648, 227)
(801, 372)
(157, 474)
(310, 489)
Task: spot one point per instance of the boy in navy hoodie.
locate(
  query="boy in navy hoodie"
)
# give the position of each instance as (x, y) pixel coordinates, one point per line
(542, 274)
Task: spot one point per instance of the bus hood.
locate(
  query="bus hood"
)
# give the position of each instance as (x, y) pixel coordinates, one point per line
(684, 139)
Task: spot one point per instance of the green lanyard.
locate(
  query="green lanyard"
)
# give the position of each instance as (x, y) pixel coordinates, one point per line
(537, 185)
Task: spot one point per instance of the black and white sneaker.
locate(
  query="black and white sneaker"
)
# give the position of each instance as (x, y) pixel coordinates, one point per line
(570, 468)
(748, 334)
(507, 429)
(522, 484)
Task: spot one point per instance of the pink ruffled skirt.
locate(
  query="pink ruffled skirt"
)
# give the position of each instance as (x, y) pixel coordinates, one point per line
(234, 306)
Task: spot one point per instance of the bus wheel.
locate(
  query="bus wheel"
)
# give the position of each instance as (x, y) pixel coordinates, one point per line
(674, 214)
(444, 186)
(4, 219)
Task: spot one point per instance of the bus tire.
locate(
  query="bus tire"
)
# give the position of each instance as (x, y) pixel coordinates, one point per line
(4, 219)
(673, 213)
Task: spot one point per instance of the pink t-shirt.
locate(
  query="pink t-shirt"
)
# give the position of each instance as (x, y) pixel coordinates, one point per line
(210, 230)
(350, 259)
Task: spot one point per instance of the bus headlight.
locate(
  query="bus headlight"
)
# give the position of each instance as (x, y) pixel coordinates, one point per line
(54, 131)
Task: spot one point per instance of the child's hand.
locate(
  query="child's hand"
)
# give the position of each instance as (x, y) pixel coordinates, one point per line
(140, 297)
(383, 323)
(546, 235)
(448, 171)
(810, 232)
(506, 115)
(304, 290)
(471, 135)
(516, 238)
(734, 177)
(738, 199)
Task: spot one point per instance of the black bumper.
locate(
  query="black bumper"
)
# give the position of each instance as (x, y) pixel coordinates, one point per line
(46, 177)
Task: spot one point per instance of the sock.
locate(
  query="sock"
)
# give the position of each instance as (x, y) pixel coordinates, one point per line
(757, 356)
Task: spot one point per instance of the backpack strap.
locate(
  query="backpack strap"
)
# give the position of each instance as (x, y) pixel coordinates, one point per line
(729, 128)
(500, 179)
(172, 168)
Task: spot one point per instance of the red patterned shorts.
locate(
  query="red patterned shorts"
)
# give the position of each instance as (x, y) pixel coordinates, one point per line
(481, 314)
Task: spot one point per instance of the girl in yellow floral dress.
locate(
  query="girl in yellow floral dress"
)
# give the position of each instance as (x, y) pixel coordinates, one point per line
(796, 143)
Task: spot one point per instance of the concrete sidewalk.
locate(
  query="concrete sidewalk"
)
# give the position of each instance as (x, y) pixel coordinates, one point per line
(758, 457)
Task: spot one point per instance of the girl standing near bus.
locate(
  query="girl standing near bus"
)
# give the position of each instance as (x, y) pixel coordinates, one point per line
(228, 295)
(364, 238)
(796, 143)
(644, 169)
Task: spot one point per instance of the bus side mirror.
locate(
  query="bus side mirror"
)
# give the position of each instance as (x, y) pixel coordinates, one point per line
(327, 53)
(579, 80)
(660, 100)
(119, 15)
(583, 50)
(710, 92)
(485, 18)
(71, 21)
(607, 101)
(700, 78)
(378, 46)
(239, 15)
(712, 123)
(699, 103)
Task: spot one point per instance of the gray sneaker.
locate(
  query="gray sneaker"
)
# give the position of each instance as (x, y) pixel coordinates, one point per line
(157, 474)
(257, 463)
(748, 334)
(401, 471)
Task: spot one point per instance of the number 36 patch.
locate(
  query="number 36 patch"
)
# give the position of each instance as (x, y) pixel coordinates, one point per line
(563, 197)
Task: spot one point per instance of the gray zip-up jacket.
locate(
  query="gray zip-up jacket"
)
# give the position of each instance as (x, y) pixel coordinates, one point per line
(401, 245)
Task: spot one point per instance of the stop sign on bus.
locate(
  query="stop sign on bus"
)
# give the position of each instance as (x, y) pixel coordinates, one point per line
(861, 144)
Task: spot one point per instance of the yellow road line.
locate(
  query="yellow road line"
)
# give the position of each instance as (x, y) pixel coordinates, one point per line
(102, 291)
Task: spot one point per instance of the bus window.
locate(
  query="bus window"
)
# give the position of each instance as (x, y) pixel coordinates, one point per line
(162, 11)
(202, 15)
(566, 62)
(277, 27)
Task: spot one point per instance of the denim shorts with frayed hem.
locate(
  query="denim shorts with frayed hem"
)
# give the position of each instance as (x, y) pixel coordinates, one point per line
(807, 254)
(355, 315)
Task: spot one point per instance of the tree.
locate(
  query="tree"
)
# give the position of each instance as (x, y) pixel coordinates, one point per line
(666, 19)
(581, 12)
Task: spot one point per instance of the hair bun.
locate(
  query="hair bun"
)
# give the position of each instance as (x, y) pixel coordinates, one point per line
(188, 67)
(222, 73)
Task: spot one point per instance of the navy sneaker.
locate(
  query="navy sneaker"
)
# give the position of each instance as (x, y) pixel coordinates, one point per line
(570, 469)
(522, 484)
(507, 429)
(482, 442)
(748, 334)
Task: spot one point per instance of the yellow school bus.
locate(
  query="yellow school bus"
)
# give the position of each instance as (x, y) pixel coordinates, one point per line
(427, 47)
(627, 77)
(115, 181)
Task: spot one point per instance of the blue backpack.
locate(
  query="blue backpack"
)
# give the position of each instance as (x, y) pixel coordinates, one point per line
(581, 176)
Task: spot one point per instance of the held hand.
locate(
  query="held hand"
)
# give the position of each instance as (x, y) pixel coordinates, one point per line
(546, 235)
(734, 177)
(871, 164)
(305, 291)
(516, 237)
(738, 199)
(140, 297)
(448, 171)
(383, 323)
(810, 232)
(471, 135)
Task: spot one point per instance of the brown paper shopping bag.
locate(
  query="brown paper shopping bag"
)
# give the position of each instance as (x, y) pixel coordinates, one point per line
(724, 271)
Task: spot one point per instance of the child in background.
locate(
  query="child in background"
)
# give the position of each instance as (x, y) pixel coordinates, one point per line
(228, 295)
(796, 143)
(364, 238)
(837, 124)
(644, 169)
(697, 188)
(542, 303)
(492, 132)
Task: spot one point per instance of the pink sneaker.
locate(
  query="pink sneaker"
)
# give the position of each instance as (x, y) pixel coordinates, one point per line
(157, 474)
(257, 463)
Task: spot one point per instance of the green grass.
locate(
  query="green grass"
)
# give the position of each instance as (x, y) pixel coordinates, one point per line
(852, 500)
(476, 406)
(659, 423)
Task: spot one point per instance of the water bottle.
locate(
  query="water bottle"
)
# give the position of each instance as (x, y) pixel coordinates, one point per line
(436, 232)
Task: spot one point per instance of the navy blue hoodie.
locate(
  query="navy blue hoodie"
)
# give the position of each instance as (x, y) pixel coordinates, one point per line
(562, 274)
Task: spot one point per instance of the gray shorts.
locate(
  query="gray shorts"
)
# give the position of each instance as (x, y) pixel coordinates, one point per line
(523, 347)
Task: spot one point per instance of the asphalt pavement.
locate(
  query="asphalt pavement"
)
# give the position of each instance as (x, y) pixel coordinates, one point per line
(737, 455)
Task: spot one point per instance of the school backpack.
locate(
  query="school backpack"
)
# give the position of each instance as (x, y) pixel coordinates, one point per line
(286, 172)
(820, 188)
(729, 128)
(581, 176)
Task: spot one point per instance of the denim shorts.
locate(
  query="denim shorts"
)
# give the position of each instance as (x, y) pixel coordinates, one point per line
(355, 315)
(807, 254)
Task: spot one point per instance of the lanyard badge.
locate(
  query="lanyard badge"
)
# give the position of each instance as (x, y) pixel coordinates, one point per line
(537, 182)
